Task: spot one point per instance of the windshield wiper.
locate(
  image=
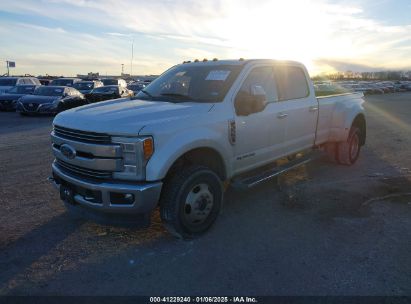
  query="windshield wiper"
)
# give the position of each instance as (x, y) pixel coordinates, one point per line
(147, 93)
(176, 95)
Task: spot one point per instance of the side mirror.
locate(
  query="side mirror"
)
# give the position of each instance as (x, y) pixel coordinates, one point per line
(254, 101)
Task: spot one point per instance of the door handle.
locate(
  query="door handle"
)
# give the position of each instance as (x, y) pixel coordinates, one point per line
(313, 109)
(281, 115)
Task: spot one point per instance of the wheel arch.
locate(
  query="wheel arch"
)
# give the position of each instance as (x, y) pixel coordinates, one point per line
(205, 156)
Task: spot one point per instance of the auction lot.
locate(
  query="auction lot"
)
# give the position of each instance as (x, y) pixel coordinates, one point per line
(321, 229)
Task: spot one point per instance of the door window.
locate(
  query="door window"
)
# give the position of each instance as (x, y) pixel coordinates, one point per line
(291, 83)
(264, 77)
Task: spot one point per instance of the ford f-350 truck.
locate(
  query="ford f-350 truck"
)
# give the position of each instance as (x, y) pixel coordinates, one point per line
(197, 128)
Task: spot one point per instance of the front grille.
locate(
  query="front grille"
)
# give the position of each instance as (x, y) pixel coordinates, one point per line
(31, 107)
(84, 172)
(84, 136)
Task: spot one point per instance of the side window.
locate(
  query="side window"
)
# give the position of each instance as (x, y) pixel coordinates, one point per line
(291, 83)
(20, 81)
(264, 77)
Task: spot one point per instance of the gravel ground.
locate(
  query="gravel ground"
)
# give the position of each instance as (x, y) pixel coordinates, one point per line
(321, 229)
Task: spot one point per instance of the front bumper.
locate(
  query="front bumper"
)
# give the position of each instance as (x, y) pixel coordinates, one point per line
(36, 109)
(100, 195)
(7, 105)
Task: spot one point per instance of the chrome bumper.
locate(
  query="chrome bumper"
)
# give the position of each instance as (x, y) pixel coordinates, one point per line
(146, 195)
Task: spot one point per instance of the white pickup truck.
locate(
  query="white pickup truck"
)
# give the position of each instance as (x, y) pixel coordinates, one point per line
(197, 128)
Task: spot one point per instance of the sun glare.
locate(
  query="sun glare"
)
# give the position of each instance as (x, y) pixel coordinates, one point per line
(298, 30)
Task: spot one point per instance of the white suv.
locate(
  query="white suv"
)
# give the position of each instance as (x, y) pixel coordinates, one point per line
(6, 83)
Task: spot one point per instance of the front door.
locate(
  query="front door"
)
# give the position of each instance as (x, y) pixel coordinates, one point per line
(259, 136)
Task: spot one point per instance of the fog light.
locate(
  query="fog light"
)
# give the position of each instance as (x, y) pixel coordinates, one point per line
(121, 198)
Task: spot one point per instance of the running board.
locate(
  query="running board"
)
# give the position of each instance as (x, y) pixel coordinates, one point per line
(254, 180)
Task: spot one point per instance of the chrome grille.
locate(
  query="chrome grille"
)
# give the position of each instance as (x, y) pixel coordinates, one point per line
(84, 136)
(76, 170)
(31, 107)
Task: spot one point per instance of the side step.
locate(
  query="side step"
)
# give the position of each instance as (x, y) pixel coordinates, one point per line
(248, 182)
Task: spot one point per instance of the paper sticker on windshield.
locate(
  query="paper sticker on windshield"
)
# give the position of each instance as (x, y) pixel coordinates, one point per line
(219, 75)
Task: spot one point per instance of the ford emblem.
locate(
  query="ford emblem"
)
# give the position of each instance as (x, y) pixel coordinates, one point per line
(68, 151)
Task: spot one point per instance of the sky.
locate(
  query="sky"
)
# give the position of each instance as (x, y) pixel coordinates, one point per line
(69, 37)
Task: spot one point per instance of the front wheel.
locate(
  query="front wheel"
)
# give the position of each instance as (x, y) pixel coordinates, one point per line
(347, 152)
(191, 201)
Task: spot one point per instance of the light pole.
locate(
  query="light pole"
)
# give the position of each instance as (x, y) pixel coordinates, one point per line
(132, 57)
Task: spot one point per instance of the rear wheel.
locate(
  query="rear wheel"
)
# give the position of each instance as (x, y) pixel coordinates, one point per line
(347, 152)
(191, 201)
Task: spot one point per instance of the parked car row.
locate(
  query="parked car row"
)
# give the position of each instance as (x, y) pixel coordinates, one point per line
(27, 95)
(366, 87)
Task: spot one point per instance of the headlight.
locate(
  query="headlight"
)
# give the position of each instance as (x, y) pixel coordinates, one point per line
(136, 152)
(56, 101)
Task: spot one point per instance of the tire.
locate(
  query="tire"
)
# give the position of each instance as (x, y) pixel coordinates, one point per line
(347, 152)
(192, 189)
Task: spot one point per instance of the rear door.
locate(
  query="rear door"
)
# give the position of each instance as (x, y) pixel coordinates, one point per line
(301, 107)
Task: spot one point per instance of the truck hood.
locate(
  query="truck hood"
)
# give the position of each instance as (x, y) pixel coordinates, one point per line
(125, 116)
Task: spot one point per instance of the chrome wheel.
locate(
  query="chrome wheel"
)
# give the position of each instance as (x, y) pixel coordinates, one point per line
(198, 204)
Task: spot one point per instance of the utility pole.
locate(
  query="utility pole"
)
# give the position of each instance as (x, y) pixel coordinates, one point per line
(122, 69)
(8, 69)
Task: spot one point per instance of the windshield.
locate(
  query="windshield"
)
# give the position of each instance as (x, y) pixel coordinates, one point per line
(62, 82)
(49, 91)
(110, 82)
(136, 87)
(21, 90)
(8, 82)
(202, 83)
(84, 85)
(106, 90)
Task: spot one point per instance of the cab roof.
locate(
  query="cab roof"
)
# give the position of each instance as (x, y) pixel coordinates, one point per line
(239, 62)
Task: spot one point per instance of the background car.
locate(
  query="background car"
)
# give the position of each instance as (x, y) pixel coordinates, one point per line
(114, 81)
(8, 100)
(87, 86)
(6, 83)
(65, 81)
(136, 86)
(108, 92)
(50, 100)
(45, 81)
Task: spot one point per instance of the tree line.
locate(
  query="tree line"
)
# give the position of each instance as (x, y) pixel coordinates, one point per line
(378, 75)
